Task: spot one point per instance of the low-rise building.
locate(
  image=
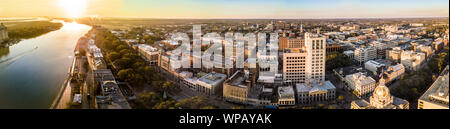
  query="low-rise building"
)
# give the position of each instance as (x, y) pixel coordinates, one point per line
(436, 97)
(364, 54)
(239, 88)
(315, 91)
(164, 61)
(394, 54)
(211, 83)
(361, 84)
(286, 96)
(392, 28)
(150, 53)
(412, 60)
(394, 72)
(374, 66)
(111, 97)
(188, 80)
(334, 47)
(381, 99)
(236, 88)
(428, 50)
(102, 75)
(350, 54)
(381, 47)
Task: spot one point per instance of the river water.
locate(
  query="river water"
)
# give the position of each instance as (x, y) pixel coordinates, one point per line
(32, 71)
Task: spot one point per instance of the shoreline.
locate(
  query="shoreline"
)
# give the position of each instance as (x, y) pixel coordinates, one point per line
(65, 92)
(62, 92)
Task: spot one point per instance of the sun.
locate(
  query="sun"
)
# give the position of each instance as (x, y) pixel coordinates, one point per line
(73, 8)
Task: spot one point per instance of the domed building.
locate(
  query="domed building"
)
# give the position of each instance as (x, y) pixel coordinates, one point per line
(381, 99)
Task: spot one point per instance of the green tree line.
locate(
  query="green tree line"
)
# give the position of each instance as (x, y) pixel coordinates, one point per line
(27, 30)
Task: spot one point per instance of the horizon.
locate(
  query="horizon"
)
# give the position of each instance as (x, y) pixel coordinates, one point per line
(324, 18)
(230, 9)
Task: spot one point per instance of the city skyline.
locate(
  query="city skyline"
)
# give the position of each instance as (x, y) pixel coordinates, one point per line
(221, 9)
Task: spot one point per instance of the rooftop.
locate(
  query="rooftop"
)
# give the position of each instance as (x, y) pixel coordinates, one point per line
(438, 91)
(212, 78)
(112, 97)
(147, 48)
(360, 78)
(285, 90)
(315, 86)
(238, 79)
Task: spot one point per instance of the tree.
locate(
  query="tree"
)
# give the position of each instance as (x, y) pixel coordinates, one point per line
(125, 51)
(169, 86)
(237, 108)
(126, 74)
(124, 63)
(208, 107)
(113, 56)
(195, 102)
(121, 47)
(149, 99)
(337, 60)
(170, 104)
(112, 44)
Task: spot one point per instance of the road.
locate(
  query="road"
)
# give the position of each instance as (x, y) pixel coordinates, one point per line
(340, 91)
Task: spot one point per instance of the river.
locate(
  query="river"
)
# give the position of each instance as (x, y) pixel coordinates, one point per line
(33, 70)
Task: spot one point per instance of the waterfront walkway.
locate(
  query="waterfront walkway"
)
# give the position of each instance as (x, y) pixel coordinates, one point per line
(65, 94)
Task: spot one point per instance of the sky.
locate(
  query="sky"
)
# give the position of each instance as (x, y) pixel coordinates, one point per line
(228, 8)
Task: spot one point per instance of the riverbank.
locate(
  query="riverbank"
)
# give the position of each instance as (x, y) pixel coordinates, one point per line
(27, 30)
(37, 68)
(65, 93)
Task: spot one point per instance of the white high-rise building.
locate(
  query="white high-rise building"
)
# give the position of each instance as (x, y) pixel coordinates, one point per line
(308, 62)
(316, 49)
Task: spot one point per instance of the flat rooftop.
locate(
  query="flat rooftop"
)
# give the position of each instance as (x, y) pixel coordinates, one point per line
(112, 97)
(213, 78)
(438, 91)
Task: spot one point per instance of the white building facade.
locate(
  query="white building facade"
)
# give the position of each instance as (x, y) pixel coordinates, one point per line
(360, 84)
(412, 60)
(301, 64)
(315, 91)
(364, 54)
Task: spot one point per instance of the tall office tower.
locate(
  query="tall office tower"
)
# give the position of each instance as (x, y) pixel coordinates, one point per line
(305, 63)
(301, 28)
(294, 65)
(316, 49)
